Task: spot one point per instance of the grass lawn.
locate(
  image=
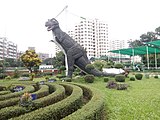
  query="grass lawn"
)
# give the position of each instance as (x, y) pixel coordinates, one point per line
(140, 102)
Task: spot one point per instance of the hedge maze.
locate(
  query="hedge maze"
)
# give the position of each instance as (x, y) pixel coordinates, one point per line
(54, 101)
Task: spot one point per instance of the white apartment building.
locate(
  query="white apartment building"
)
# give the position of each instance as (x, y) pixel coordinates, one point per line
(8, 49)
(92, 35)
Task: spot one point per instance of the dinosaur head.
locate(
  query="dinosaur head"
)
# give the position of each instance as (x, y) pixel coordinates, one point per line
(51, 24)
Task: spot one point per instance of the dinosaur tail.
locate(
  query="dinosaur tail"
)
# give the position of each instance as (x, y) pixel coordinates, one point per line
(96, 72)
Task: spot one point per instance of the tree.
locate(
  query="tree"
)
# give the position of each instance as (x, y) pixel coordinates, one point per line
(135, 43)
(30, 60)
(59, 60)
(157, 30)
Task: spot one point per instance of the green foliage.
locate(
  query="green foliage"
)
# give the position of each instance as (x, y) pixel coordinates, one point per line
(156, 76)
(25, 75)
(89, 67)
(118, 65)
(2, 75)
(99, 64)
(59, 60)
(120, 78)
(93, 110)
(28, 88)
(89, 78)
(138, 76)
(132, 78)
(16, 73)
(30, 59)
(106, 79)
(32, 75)
(8, 78)
(59, 109)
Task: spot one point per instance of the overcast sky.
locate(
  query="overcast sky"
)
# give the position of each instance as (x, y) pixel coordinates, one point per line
(22, 21)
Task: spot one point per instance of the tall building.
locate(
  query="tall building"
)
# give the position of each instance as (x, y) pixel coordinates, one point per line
(92, 35)
(8, 49)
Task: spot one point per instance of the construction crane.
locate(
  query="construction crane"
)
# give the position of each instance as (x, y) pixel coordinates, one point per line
(62, 11)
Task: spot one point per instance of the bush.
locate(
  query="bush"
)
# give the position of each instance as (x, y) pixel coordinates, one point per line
(118, 65)
(89, 78)
(156, 76)
(122, 86)
(111, 84)
(2, 75)
(120, 78)
(132, 78)
(139, 76)
(89, 67)
(106, 79)
(25, 75)
(8, 78)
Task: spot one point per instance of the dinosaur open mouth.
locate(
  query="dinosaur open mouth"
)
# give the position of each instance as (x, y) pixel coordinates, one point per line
(49, 28)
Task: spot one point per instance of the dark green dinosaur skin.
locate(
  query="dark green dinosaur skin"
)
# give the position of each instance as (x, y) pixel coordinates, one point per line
(76, 55)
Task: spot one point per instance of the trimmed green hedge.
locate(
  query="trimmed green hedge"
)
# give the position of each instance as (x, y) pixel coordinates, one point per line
(43, 91)
(60, 109)
(4, 92)
(56, 96)
(93, 110)
(28, 88)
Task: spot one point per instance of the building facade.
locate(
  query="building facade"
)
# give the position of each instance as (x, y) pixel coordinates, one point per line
(8, 49)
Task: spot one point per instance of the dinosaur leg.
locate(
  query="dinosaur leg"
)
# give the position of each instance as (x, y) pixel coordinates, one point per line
(70, 61)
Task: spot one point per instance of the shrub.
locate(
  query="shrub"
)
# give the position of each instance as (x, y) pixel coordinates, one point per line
(120, 78)
(122, 86)
(139, 76)
(47, 78)
(2, 75)
(89, 78)
(16, 73)
(118, 65)
(25, 75)
(156, 76)
(132, 78)
(8, 78)
(111, 84)
(106, 79)
(89, 67)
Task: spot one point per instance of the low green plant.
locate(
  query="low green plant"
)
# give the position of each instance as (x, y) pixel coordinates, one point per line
(89, 78)
(106, 79)
(156, 76)
(89, 67)
(8, 78)
(132, 78)
(120, 78)
(118, 65)
(138, 76)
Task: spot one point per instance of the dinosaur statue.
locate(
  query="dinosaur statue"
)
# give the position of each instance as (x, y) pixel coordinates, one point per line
(75, 53)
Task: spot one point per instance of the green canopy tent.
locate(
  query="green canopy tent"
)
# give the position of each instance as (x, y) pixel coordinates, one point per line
(142, 50)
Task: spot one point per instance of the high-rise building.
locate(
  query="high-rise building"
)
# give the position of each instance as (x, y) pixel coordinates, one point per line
(8, 49)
